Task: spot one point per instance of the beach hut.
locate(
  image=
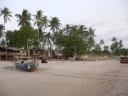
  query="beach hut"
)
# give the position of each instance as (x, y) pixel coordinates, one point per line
(9, 53)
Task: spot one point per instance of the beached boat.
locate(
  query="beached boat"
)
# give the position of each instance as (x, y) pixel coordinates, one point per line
(26, 64)
(124, 59)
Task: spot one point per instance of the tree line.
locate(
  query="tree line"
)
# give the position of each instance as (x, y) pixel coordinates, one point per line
(68, 39)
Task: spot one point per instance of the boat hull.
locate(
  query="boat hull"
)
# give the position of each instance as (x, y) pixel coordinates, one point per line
(31, 66)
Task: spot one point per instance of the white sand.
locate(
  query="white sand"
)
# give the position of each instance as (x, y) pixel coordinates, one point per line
(66, 78)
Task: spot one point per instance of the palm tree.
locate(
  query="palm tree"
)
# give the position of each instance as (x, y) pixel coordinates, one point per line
(91, 42)
(114, 39)
(106, 48)
(6, 13)
(48, 41)
(101, 43)
(54, 24)
(114, 45)
(120, 44)
(45, 23)
(1, 30)
(67, 29)
(82, 30)
(90, 34)
(24, 18)
(39, 22)
(98, 49)
(3, 42)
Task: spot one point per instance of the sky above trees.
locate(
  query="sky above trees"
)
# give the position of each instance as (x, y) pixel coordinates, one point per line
(108, 17)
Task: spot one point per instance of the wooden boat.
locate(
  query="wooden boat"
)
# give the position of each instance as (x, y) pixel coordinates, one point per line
(124, 59)
(26, 64)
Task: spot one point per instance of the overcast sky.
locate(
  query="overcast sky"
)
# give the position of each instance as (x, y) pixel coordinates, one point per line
(108, 17)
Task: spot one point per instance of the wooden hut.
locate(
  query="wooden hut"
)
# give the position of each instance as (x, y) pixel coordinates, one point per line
(9, 53)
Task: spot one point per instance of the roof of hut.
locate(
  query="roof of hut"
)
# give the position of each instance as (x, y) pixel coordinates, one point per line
(10, 48)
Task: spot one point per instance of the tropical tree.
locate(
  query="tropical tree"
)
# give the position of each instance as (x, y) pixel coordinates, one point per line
(48, 42)
(97, 49)
(91, 35)
(3, 42)
(82, 31)
(45, 22)
(106, 50)
(54, 24)
(6, 13)
(115, 46)
(24, 18)
(67, 29)
(120, 44)
(19, 38)
(101, 44)
(114, 39)
(1, 30)
(39, 22)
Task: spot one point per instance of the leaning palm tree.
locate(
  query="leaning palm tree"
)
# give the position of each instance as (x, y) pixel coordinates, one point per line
(6, 13)
(24, 18)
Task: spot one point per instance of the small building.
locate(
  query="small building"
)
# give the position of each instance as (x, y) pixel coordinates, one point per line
(9, 53)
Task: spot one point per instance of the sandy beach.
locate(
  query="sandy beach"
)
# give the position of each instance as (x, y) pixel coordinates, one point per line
(66, 78)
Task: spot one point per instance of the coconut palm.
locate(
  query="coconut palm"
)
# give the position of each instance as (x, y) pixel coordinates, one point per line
(6, 13)
(39, 22)
(3, 42)
(91, 32)
(1, 30)
(120, 44)
(106, 48)
(48, 41)
(67, 29)
(54, 24)
(45, 23)
(82, 30)
(114, 39)
(91, 41)
(24, 18)
(101, 43)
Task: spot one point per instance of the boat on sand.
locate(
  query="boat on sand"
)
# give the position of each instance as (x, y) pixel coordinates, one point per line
(26, 64)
